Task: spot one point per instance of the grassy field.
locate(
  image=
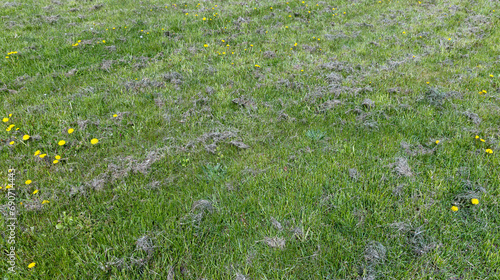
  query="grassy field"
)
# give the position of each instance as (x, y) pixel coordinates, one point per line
(250, 140)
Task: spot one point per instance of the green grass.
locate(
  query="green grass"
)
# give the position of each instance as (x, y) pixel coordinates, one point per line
(232, 162)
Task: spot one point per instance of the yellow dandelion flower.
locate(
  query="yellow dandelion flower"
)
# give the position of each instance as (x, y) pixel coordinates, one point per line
(482, 140)
(437, 141)
(70, 130)
(115, 115)
(477, 137)
(5, 119)
(454, 208)
(474, 201)
(104, 41)
(35, 192)
(26, 137)
(11, 142)
(489, 151)
(94, 141)
(204, 18)
(8, 129)
(45, 201)
(404, 32)
(37, 153)
(43, 155)
(27, 182)
(491, 75)
(62, 142)
(55, 161)
(256, 65)
(58, 157)
(31, 265)
(206, 46)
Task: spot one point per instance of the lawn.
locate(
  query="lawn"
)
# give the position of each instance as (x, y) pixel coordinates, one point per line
(250, 140)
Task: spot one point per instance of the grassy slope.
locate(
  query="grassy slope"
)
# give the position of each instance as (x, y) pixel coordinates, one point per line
(335, 181)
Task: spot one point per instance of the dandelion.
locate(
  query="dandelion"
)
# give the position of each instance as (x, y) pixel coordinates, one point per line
(256, 65)
(104, 41)
(11, 142)
(206, 46)
(55, 161)
(31, 265)
(45, 201)
(5, 119)
(94, 141)
(449, 39)
(27, 182)
(26, 137)
(37, 153)
(454, 208)
(115, 115)
(427, 82)
(489, 151)
(474, 201)
(204, 18)
(43, 155)
(62, 142)
(58, 157)
(491, 75)
(477, 137)
(437, 141)
(482, 140)
(404, 32)
(70, 130)
(35, 192)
